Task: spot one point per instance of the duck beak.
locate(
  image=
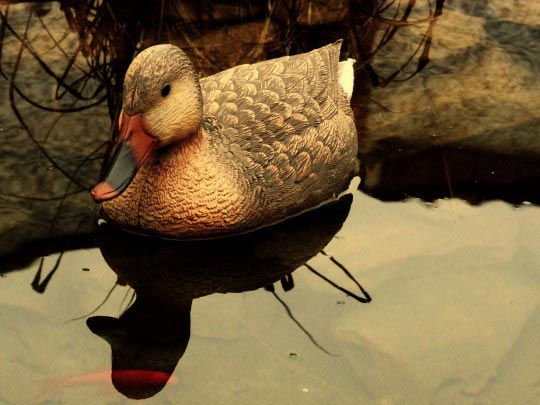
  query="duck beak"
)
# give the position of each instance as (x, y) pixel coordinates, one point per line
(133, 149)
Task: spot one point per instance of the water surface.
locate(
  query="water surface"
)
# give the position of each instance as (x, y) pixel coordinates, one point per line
(442, 236)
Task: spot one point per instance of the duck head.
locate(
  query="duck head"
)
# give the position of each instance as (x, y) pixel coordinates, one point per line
(162, 105)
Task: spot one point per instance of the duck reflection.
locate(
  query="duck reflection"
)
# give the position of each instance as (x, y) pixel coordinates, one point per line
(150, 337)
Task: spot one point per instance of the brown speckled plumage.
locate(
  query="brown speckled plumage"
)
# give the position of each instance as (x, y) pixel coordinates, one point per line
(277, 137)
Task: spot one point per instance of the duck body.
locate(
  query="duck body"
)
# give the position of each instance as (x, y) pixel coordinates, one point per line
(273, 139)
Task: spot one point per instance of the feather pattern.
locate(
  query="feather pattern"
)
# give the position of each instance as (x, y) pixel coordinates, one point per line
(279, 137)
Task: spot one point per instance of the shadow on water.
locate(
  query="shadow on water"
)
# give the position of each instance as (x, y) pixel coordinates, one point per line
(151, 336)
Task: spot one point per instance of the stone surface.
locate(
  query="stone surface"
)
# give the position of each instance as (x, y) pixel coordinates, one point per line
(469, 122)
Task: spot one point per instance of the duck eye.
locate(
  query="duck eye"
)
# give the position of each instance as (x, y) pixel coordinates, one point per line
(165, 90)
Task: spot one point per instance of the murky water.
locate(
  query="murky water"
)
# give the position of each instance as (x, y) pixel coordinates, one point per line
(454, 315)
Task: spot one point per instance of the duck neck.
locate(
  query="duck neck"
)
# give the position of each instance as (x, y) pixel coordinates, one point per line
(193, 143)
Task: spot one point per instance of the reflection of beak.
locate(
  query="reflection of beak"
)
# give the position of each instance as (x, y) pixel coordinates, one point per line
(134, 148)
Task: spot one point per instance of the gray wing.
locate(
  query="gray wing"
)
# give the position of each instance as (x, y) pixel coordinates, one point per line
(288, 121)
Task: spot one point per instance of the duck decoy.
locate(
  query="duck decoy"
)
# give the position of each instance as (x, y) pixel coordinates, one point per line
(242, 149)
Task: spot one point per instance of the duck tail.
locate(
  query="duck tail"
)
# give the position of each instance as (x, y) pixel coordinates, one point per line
(346, 76)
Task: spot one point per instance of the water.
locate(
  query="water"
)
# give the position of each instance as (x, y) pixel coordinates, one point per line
(454, 316)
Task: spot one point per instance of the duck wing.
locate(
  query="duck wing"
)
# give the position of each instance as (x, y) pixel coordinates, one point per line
(287, 120)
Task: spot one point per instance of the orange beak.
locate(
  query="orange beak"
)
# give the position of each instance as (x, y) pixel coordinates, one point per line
(134, 148)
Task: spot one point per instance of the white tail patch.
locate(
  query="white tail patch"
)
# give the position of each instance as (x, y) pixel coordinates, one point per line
(346, 76)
